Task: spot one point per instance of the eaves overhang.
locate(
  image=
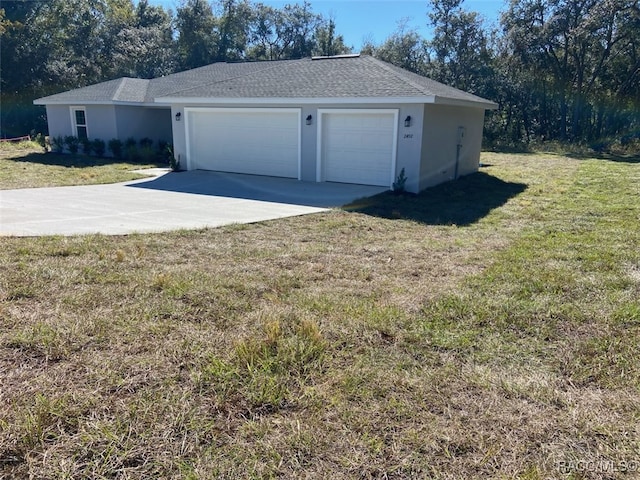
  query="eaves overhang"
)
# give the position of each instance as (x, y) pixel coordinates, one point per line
(44, 102)
(431, 99)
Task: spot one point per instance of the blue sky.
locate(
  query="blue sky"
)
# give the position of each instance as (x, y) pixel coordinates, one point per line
(358, 20)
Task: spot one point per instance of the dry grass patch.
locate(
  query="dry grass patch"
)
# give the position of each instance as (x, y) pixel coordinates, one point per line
(454, 334)
(24, 165)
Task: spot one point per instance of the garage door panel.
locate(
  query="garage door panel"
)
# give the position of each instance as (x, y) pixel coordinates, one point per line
(358, 147)
(258, 142)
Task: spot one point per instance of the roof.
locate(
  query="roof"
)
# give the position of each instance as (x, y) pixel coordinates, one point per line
(351, 78)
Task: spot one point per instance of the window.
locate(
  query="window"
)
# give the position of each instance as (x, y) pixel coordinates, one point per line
(79, 118)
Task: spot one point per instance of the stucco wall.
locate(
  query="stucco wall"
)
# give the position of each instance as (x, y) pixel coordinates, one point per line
(101, 121)
(59, 120)
(440, 140)
(143, 122)
(408, 145)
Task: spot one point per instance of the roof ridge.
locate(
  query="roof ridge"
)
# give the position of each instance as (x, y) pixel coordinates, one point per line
(398, 75)
(267, 67)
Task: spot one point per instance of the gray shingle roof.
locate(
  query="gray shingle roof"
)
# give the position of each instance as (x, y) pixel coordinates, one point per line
(356, 77)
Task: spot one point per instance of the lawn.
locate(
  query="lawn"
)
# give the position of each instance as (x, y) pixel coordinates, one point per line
(24, 165)
(487, 328)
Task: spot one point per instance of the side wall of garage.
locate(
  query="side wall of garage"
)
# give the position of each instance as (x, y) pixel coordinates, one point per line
(451, 143)
(408, 145)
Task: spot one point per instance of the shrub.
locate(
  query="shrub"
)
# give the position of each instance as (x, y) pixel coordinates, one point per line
(115, 147)
(174, 163)
(147, 153)
(57, 144)
(600, 146)
(146, 142)
(130, 149)
(86, 146)
(98, 147)
(161, 152)
(42, 141)
(399, 184)
(72, 143)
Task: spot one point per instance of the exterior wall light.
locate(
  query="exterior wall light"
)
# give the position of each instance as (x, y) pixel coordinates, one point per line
(407, 121)
(178, 116)
(309, 119)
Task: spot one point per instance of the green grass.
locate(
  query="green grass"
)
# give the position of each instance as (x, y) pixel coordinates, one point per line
(487, 328)
(24, 165)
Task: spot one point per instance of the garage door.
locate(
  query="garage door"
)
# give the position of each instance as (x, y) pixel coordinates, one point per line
(358, 146)
(253, 141)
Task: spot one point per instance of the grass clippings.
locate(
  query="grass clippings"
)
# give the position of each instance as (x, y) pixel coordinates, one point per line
(24, 165)
(454, 334)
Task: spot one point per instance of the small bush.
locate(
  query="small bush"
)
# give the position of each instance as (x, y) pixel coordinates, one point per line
(161, 152)
(57, 144)
(146, 142)
(115, 147)
(146, 152)
(600, 146)
(87, 146)
(399, 184)
(174, 163)
(42, 141)
(131, 150)
(98, 147)
(72, 143)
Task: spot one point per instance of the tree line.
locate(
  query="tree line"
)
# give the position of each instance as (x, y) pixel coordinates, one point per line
(566, 70)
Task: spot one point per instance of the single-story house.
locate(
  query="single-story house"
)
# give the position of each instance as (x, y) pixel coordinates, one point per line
(349, 118)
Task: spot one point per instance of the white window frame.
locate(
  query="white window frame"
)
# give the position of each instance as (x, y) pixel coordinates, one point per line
(74, 124)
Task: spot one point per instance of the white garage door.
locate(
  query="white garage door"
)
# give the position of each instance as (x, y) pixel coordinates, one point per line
(358, 146)
(253, 141)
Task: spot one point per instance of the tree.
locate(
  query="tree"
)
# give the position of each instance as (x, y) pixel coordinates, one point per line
(571, 48)
(143, 44)
(277, 34)
(296, 28)
(404, 48)
(195, 23)
(266, 43)
(232, 30)
(458, 53)
(327, 43)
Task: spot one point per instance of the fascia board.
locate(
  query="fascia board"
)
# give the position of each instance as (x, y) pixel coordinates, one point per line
(454, 102)
(291, 101)
(94, 102)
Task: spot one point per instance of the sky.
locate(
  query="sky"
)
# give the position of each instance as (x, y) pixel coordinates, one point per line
(376, 20)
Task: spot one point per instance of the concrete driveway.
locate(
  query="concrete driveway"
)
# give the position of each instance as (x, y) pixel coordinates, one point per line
(170, 201)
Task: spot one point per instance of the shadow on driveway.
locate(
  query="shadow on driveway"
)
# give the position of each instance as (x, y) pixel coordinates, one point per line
(261, 188)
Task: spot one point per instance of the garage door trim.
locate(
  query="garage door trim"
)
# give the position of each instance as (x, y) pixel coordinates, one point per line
(327, 111)
(188, 110)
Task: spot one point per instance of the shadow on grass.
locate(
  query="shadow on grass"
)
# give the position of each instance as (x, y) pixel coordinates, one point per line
(567, 150)
(609, 157)
(74, 161)
(461, 202)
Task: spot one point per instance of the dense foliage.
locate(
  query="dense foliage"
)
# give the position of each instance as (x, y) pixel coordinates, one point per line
(565, 70)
